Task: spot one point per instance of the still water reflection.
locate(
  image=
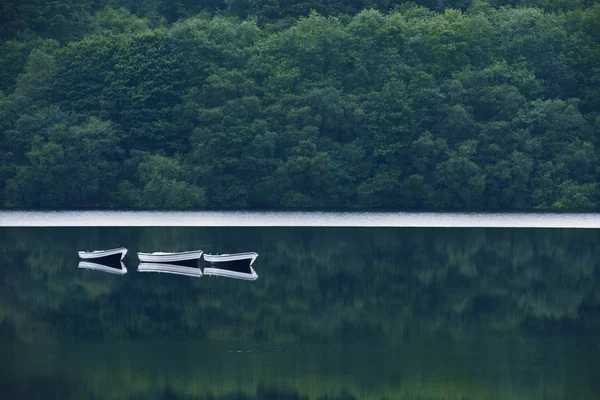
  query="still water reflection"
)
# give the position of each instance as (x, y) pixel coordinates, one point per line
(337, 313)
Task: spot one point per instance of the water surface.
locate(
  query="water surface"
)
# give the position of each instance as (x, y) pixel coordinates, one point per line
(337, 313)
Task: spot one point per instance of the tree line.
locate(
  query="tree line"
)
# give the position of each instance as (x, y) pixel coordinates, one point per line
(299, 105)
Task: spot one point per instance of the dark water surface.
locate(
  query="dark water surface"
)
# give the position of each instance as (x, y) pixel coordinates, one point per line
(337, 313)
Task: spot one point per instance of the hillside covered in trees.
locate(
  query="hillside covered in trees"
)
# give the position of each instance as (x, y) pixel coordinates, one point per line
(277, 104)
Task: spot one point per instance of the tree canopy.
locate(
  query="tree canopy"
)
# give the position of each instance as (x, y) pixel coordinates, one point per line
(449, 105)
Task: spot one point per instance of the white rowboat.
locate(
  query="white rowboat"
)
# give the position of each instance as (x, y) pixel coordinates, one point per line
(162, 257)
(219, 258)
(88, 255)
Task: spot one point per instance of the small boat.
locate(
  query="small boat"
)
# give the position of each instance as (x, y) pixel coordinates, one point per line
(187, 258)
(170, 269)
(237, 266)
(102, 267)
(112, 256)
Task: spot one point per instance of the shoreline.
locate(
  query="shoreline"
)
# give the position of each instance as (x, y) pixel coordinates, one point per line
(9, 218)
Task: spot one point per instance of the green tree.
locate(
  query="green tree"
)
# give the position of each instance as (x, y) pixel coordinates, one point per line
(142, 90)
(459, 182)
(40, 184)
(163, 187)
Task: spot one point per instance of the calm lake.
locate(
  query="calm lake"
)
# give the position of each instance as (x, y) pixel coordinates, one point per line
(339, 313)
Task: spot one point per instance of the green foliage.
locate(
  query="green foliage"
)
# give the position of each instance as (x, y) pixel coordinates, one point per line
(69, 166)
(577, 196)
(14, 56)
(351, 105)
(162, 187)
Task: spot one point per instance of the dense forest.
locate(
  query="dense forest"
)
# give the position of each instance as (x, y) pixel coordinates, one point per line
(277, 104)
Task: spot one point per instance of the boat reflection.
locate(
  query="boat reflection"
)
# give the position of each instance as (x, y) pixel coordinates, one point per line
(236, 266)
(247, 276)
(170, 269)
(114, 268)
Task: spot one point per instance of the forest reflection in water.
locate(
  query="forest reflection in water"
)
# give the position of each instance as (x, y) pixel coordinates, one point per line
(336, 313)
